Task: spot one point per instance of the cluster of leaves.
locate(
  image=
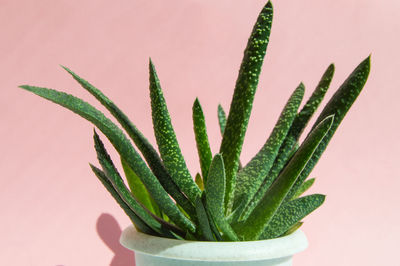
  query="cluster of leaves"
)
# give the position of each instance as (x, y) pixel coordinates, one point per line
(226, 202)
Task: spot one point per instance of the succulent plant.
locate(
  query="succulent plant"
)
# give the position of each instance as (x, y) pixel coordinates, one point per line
(226, 201)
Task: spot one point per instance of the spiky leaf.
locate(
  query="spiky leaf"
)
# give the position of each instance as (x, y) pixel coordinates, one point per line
(136, 220)
(303, 188)
(147, 150)
(242, 100)
(254, 225)
(289, 145)
(167, 143)
(123, 147)
(114, 177)
(221, 119)
(290, 214)
(250, 178)
(214, 189)
(203, 145)
(338, 106)
(301, 121)
(222, 124)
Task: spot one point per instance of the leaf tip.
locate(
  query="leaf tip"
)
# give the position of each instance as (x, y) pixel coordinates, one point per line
(269, 4)
(196, 102)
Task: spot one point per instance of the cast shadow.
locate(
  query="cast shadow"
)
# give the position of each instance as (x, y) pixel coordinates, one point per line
(109, 231)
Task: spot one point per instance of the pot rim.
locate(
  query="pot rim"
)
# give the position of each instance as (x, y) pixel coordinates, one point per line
(213, 251)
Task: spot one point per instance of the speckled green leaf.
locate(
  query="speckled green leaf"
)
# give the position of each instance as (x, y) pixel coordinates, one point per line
(303, 188)
(147, 150)
(123, 147)
(250, 178)
(301, 121)
(255, 224)
(167, 143)
(114, 177)
(203, 220)
(203, 145)
(290, 214)
(136, 220)
(338, 106)
(214, 189)
(213, 227)
(139, 190)
(221, 119)
(222, 124)
(242, 100)
(288, 147)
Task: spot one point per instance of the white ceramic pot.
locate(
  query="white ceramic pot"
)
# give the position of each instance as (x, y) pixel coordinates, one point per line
(157, 251)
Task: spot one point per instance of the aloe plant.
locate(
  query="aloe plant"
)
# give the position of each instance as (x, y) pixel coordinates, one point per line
(226, 201)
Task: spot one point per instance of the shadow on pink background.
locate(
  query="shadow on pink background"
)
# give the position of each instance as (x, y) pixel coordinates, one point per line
(109, 231)
(50, 201)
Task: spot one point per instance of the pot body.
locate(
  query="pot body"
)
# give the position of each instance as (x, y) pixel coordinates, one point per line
(157, 251)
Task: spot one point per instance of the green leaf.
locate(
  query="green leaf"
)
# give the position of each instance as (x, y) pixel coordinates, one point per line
(242, 100)
(199, 181)
(289, 145)
(138, 189)
(312, 103)
(292, 229)
(203, 145)
(203, 220)
(213, 227)
(141, 225)
(338, 106)
(250, 178)
(167, 142)
(301, 121)
(303, 188)
(147, 150)
(222, 123)
(123, 147)
(254, 225)
(290, 214)
(114, 177)
(214, 189)
(221, 119)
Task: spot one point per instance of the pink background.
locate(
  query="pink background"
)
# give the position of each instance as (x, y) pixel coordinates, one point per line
(50, 202)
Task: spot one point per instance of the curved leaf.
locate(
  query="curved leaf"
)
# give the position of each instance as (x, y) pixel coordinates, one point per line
(242, 100)
(123, 147)
(141, 225)
(250, 178)
(289, 145)
(290, 214)
(338, 106)
(147, 150)
(114, 177)
(254, 225)
(167, 143)
(303, 188)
